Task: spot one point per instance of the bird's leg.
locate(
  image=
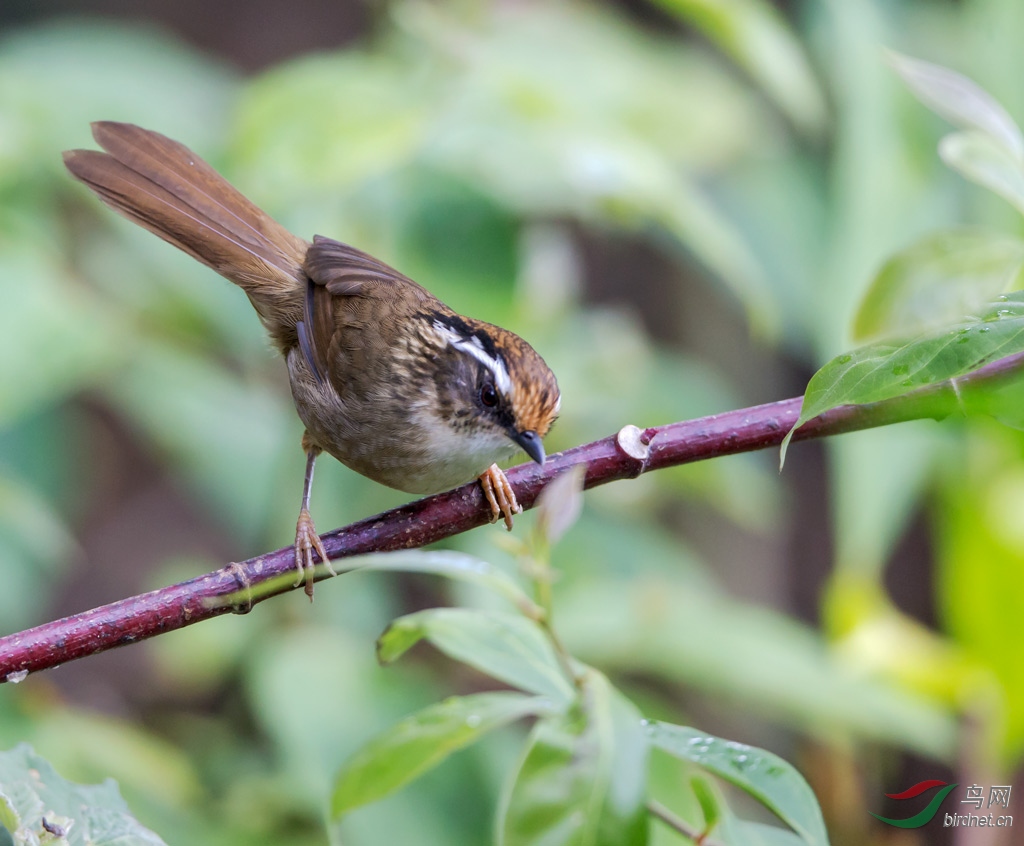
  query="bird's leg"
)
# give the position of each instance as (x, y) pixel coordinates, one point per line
(500, 496)
(306, 538)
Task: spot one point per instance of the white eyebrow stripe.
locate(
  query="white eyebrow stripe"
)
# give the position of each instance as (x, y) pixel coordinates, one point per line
(472, 347)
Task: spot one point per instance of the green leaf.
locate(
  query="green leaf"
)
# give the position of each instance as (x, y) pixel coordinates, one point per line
(984, 161)
(710, 804)
(937, 281)
(768, 778)
(961, 101)
(421, 742)
(886, 369)
(990, 149)
(733, 831)
(755, 35)
(1002, 399)
(583, 779)
(507, 647)
(30, 789)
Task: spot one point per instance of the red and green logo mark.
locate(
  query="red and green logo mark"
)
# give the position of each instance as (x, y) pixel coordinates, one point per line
(924, 815)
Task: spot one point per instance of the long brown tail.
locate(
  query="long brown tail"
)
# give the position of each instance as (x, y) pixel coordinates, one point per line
(165, 187)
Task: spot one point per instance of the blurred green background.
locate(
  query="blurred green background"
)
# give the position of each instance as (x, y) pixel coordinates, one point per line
(679, 203)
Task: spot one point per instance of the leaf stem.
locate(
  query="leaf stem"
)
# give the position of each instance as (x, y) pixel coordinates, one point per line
(535, 561)
(563, 655)
(674, 821)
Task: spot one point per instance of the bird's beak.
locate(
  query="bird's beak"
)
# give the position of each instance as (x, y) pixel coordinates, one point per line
(531, 444)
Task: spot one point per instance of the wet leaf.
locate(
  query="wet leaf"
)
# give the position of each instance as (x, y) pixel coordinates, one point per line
(772, 781)
(889, 369)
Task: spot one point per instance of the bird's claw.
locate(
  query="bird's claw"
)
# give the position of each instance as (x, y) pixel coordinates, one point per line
(499, 494)
(306, 541)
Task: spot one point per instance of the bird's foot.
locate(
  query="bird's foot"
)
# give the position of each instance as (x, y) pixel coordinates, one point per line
(500, 496)
(306, 541)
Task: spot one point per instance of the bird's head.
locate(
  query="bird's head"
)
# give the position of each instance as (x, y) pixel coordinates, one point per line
(493, 386)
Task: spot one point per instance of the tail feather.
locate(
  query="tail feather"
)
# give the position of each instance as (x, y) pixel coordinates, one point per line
(166, 188)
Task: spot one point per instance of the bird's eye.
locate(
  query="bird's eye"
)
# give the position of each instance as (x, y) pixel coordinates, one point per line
(488, 395)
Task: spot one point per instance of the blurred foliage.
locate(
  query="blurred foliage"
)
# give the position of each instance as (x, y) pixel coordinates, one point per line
(38, 806)
(481, 148)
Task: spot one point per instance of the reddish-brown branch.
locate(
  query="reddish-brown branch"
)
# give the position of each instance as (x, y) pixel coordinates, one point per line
(632, 452)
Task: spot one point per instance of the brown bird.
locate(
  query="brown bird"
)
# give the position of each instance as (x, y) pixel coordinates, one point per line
(385, 377)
